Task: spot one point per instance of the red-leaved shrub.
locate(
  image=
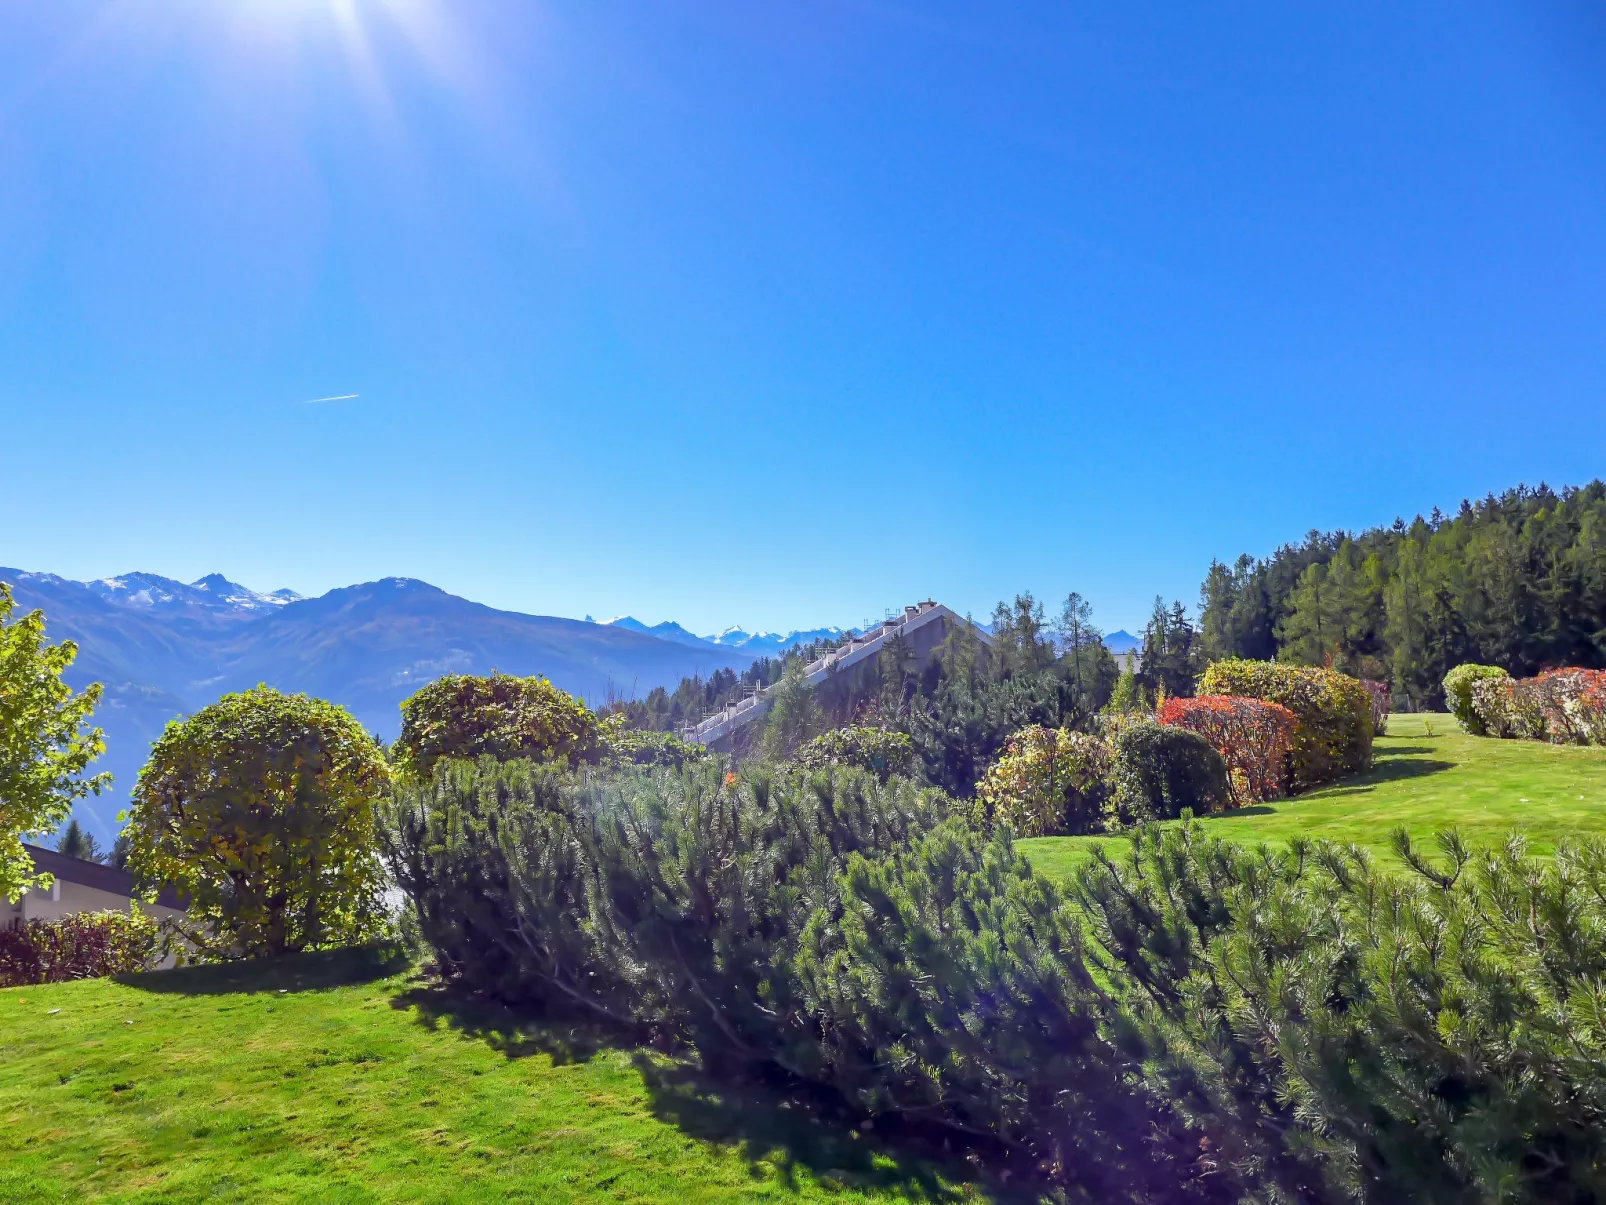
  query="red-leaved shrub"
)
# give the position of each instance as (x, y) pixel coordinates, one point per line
(1253, 737)
(1333, 710)
(81, 945)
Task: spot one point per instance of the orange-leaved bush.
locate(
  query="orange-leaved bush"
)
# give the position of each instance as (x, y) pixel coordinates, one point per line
(80, 945)
(1254, 738)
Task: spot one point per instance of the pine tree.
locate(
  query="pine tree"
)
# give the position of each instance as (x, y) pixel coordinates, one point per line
(78, 842)
(794, 715)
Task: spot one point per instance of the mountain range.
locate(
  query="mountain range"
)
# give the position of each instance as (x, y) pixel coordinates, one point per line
(165, 648)
(759, 644)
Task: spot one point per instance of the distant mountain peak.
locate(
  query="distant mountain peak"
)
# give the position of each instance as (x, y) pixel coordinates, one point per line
(770, 643)
(758, 644)
(213, 594)
(244, 596)
(668, 630)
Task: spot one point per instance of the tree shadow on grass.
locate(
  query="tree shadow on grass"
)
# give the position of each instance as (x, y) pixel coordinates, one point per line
(778, 1126)
(768, 1125)
(296, 973)
(1389, 769)
(513, 1034)
(1244, 813)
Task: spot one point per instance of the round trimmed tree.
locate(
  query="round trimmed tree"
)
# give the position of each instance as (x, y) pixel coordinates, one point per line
(261, 810)
(464, 716)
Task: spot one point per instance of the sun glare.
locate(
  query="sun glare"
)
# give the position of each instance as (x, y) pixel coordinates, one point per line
(375, 40)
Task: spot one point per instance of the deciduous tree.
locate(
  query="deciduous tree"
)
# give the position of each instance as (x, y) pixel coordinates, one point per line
(46, 743)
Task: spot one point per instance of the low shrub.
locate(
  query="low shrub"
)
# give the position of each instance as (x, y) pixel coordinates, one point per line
(1252, 736)
(1382, 693)
(670, 903)
(1334, 711)
(644, 747)
(1158, 771)
(1048, 781)
(1353, 1035)
(81, 945)
(1458, 684)
(1573, 703)
(882, 752)
(1564, 706)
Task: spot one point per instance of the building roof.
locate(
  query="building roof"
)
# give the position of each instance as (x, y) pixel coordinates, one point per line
(860, 647)
(101, 877)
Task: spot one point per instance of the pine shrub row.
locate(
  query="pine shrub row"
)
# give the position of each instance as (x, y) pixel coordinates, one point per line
(1185, 1021)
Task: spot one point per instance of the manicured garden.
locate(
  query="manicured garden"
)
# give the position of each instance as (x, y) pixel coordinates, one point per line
(338, 1078)
(827, 965)
(1428, 776)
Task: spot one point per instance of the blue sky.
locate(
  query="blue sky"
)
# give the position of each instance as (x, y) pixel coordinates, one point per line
(787, 313)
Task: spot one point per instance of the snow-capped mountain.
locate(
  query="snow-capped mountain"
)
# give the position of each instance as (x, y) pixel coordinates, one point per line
(768, 644)
(668, 630)
(164, 648)
(756, 644)
(213, 593)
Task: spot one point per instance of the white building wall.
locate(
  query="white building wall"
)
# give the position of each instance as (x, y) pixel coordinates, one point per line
(63, 899)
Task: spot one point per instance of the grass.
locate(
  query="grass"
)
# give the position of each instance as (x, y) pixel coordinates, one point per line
(1428, 776)
(343, 1078)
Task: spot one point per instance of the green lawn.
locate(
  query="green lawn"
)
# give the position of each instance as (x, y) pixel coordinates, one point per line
(1429, 775)
(339, 1079)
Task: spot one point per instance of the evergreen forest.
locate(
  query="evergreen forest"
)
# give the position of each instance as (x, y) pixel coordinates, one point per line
(1516, 580)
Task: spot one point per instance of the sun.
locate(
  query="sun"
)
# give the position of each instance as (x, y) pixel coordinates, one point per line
(371, 42)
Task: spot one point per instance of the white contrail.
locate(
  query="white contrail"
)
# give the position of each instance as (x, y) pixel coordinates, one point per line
(339, 397)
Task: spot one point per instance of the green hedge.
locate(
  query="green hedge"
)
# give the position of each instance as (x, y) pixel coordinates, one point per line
(1186, 1022)
(644, 747)
(1458, 684)
(1158, 771)
(500, 716)
(881, 751)
(1334, 710)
